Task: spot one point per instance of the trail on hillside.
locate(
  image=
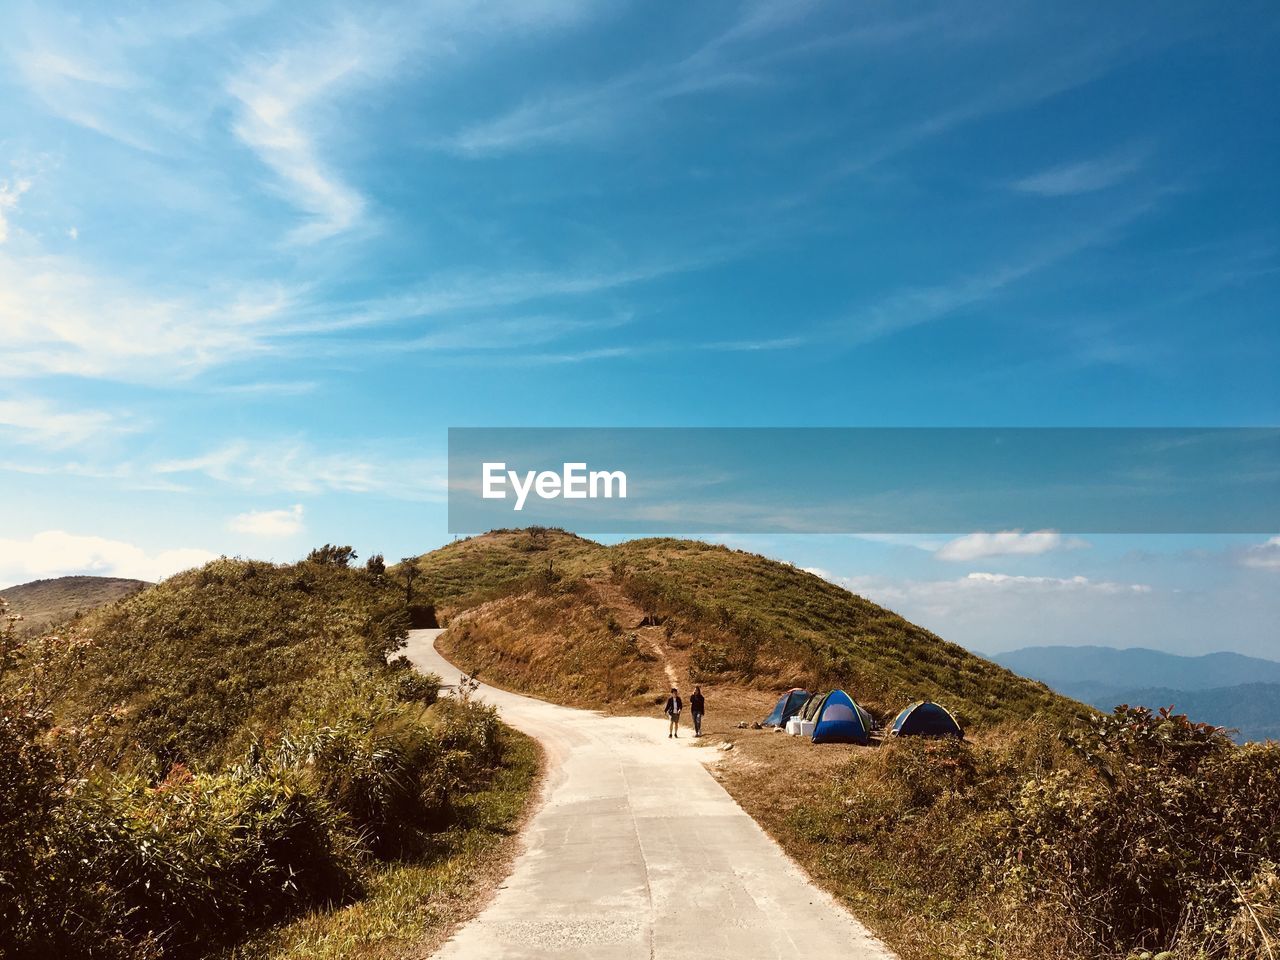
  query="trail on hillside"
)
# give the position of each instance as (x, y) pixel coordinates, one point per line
(637, 852)
(653, 636)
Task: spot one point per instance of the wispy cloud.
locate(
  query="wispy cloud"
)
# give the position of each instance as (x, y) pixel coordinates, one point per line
(269, 388)
(278, 99)
(926, 304)
(32, 420)
(269, 523)
(58, 317)
(1011, 543)
(295, 466)
(1087, 176)
(741, 55)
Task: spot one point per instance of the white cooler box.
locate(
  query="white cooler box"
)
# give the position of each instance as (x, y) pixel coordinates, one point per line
(800, 728)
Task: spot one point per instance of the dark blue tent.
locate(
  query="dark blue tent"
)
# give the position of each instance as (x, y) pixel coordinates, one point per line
(789, 704)
(926, 719)
(840, 720)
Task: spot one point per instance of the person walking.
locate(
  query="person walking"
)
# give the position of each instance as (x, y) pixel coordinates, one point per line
(672, 710)
(697, 707)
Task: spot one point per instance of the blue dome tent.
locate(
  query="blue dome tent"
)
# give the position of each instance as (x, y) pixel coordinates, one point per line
(925, 718)
(840, 720)
(789, 704)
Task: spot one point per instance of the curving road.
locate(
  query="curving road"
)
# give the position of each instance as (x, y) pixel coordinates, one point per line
(637, 852)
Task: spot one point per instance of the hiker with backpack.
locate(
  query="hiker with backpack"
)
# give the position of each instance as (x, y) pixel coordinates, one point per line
(672, 710)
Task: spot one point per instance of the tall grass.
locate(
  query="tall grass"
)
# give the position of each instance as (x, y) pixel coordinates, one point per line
(224, 751)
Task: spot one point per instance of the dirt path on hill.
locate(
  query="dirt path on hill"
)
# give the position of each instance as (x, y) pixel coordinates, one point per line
(638, 853)
(654, 637)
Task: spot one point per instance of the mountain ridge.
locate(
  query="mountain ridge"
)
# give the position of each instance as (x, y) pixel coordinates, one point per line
(1135, 667)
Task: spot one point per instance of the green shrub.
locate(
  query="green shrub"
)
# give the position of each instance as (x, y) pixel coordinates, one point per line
(195, 860)
(1150, 845)
(413, 687)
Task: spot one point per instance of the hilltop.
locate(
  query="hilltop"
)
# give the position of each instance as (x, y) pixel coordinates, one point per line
(47, 603)
(589, 624)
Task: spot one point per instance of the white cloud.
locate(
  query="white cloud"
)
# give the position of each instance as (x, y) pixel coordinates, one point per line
(1006, 544)
(10, 192)
(1264, 556)
(1009, 581)
(55, 553)
(975, 584)
(269, 523)
(32, 420)
(57, 318)
(1088, 176)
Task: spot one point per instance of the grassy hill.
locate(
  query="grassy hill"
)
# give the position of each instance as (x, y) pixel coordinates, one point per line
(230, 755)
(582, 622)
(1052, 831)
(46, 603)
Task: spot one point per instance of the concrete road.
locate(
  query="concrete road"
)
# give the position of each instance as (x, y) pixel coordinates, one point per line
(637, 852)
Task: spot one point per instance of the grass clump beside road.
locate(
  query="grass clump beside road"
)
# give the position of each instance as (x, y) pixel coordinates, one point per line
(229, 751)
(416, 903)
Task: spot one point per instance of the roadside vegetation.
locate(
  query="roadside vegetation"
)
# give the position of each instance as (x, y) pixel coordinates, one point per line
(236, 761)
(1138, 834)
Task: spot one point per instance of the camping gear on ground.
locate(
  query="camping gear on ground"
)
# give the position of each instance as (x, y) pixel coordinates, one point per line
(924, 718)
(789, 704)
(800, 727)
(838, 719)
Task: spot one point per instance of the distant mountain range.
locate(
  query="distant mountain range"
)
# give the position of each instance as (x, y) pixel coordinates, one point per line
(1227, 689)
(46, 603)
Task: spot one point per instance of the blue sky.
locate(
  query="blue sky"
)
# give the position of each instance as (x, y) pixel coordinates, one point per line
(255, 258)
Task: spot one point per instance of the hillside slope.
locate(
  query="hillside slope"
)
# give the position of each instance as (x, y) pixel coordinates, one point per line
(46, 603)
(709, 613)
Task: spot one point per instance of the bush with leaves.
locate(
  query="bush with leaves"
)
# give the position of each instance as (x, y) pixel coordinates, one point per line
(1151, 845)
(232, 749)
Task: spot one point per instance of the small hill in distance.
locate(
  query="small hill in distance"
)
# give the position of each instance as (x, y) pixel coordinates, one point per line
(47, 603)
(1225, 689)
(580, 622)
